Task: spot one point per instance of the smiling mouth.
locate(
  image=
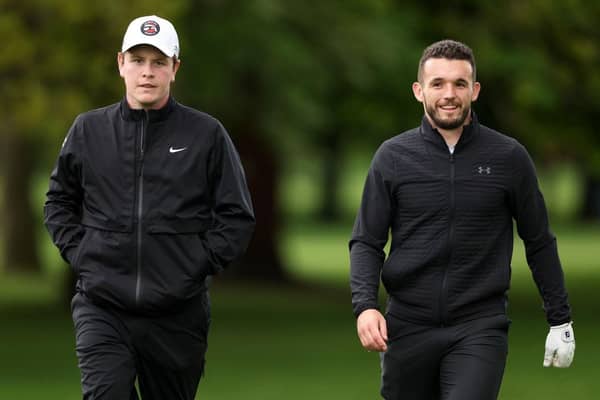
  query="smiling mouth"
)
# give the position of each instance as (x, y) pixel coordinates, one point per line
(449, 108)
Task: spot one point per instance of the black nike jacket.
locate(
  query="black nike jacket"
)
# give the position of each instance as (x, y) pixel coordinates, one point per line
(451, 221)
(145, 205)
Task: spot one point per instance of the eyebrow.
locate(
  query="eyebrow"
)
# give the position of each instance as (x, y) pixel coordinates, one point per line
(439, 79)
(152, 58)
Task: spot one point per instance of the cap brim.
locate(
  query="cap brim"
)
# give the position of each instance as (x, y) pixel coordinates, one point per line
(164, 51)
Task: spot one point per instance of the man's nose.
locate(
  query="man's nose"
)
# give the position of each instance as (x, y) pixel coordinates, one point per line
(449, 91)
(147, 70)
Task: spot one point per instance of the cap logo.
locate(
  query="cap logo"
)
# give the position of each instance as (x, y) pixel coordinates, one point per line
(150, 28)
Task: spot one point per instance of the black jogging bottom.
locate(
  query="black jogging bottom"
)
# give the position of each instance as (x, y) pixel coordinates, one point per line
(165, 354)
(459, 362)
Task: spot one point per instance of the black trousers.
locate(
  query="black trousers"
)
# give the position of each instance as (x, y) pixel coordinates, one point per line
(164, 353)
(461, 362)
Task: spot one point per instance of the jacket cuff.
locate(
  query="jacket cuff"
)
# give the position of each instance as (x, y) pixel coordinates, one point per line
(557, 322)
(359, 308)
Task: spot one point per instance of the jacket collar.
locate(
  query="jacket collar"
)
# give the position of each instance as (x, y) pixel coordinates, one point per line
(432, 135)
(161, 114)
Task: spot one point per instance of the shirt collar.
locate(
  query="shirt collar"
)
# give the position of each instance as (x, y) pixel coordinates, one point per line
(431, 134)
(161, 114)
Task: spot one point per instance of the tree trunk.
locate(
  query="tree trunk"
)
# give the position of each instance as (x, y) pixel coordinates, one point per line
(591, 199)
(332, 164)
(262, 260)
(331, 143)
(19, 224)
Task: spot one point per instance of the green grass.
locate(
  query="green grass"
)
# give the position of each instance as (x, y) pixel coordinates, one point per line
(320, 253)
(292, 342)
(265, 343)
(276, 342)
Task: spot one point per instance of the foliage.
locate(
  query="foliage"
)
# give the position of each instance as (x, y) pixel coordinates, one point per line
(58, 59)
(301, 67)
(309, 74)
(308, 67)
(537, 64)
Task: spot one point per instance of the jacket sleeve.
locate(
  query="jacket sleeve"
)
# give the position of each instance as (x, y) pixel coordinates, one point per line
(233, 216)
(529, 212)
(370, 233)
(62, 210)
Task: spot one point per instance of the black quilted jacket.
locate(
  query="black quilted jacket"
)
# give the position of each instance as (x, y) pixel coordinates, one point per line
(451, 221)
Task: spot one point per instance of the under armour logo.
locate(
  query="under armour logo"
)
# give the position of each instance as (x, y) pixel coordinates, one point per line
(484, 170)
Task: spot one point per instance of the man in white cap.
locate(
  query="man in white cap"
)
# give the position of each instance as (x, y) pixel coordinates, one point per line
(147, 199)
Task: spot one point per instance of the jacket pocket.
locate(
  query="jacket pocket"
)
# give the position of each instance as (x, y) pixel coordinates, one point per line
(175, 258)
(79, 250)
(178, 226)
(105, 266)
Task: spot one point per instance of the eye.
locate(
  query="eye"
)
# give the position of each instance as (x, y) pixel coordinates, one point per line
(160, 62)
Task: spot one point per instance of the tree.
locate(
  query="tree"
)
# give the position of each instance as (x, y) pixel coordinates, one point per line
(289, 77)
(58, 59)
(537, 63)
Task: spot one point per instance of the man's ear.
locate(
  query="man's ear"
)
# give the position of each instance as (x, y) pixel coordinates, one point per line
(418, 91)
(176, 65)
(120, 62)
(476, 90)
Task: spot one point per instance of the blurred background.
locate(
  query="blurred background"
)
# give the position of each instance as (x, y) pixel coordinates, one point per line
(308, 90)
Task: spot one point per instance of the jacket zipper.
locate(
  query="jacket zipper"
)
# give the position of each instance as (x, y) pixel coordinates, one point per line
(451, 228)
(140, 204)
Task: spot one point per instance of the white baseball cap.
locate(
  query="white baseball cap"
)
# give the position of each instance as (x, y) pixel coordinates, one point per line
(154, 31)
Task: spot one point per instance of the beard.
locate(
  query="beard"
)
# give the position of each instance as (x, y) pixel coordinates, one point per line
(447, 123)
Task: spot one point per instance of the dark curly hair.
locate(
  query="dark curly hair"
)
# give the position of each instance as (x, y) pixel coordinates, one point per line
(449, 49)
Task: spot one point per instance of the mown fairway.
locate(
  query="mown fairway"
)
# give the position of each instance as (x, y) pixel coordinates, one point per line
(298, 342)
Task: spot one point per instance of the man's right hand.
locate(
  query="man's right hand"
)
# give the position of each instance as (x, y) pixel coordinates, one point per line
(372, 330)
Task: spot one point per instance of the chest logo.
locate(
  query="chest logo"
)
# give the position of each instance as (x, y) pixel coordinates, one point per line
(484, 170)
(176, 150)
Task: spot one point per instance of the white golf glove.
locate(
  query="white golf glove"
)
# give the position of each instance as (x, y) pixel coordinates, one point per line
(560, 346)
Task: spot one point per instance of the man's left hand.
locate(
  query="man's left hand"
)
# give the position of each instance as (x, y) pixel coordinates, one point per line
(560, 346)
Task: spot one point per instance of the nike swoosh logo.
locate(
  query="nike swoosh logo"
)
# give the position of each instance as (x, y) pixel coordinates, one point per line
(174, 150)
